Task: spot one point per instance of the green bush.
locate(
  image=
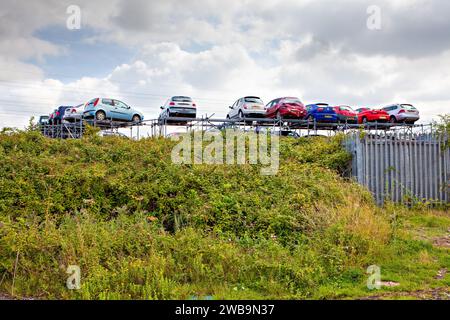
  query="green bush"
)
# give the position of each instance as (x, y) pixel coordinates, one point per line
(141, 227)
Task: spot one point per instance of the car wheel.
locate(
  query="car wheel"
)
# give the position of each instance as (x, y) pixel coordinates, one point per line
(100, 115)
(241, 115)
(136, 118)
(392, 119)
(310, 118)
(364, 120)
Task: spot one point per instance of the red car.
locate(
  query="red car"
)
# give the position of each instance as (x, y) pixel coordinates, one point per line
(285, 108)
(346, 114)
(368, 115)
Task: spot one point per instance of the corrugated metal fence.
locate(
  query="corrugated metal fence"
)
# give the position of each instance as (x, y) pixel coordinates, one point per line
(402, 167)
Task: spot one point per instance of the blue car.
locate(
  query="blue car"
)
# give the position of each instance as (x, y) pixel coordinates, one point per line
(321, 112)
(57, 115)
(102, 109)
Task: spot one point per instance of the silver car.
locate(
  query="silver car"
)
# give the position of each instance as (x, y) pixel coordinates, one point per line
(74, 114)
(178, 107)
(402, 113)
(247, 107)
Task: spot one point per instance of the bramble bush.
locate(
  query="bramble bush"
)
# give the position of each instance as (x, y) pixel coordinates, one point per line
(141, 227)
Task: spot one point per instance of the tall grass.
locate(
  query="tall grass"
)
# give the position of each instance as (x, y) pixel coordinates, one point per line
(141, 227)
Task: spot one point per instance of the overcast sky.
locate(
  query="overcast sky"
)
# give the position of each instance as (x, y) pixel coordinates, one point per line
(144, 51)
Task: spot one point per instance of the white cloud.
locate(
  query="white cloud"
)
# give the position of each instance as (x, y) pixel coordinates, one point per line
(217, 51)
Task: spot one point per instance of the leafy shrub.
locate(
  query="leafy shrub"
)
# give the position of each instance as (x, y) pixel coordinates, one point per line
(140, 226)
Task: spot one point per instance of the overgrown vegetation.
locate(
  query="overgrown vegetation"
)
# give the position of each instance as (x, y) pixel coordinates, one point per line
(443, 127)
(142, 227)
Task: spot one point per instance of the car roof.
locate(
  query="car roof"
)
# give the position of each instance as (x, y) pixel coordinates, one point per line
(318, 104)
(252, 97)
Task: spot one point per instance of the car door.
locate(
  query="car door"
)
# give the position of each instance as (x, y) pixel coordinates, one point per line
(122, 110)
(273, 107)
(234, 109)
(269, 108)
(165, 109)
(389, 109)
(276, 105)
(240, 106)
(395, 110)
(108, 106)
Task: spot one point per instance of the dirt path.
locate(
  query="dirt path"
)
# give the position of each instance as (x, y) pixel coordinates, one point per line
(442, 242)
(431, 294)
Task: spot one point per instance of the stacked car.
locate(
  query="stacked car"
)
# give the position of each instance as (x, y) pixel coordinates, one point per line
(366, 115)
(247, 107)
(57, 115)
(102, 109)
(178, 107)
(182, 109)
(74, 114)
(98, 109)
(321, 112)
(286, 108)
(402, 113)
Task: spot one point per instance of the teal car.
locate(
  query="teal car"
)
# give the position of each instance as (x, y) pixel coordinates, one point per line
(102, 109)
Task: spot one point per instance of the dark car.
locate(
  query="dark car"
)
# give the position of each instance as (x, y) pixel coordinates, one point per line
(321, 112)
(43, 120)
(57, 115)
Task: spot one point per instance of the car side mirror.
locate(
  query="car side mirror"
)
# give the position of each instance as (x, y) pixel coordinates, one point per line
(161, 107)
(230, 107)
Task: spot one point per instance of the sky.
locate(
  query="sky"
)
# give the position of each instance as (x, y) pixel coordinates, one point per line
(142, 52)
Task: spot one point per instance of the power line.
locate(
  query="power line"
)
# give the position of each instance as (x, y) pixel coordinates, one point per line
(139, 96)
(11, 83)
(63, 76)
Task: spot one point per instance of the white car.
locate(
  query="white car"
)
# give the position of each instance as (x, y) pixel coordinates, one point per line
(402, 113)
(178, 107)
(247, 107)
(74, 114)
(110, 133)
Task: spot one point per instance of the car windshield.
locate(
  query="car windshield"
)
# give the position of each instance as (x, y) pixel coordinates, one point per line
(408, 107)
(181, 99)
(253, 100)
(292, 100)
(345, 108)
